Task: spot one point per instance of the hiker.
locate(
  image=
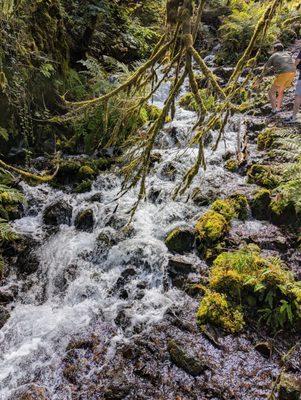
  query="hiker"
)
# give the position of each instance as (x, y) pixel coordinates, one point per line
(282, 64)
(297, 102)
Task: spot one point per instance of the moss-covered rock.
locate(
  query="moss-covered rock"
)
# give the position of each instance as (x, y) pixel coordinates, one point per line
(240, 204)
(216, 310)
(84, 186)
(265, 139)
(180, 240)
(188, 102)
(260, 204)
(231, 165)
(84, 220)
(284, 212)
(211, 227)
(86, 172)
(262, 175)
(225, 208)
(57, 213)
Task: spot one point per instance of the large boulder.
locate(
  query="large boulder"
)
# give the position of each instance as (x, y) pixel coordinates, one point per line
(84, 220)
(57, 213)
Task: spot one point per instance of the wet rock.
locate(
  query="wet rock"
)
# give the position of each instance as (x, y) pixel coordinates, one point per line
(265, 235)
(124, 278)
(168, 172)
(260, 204)
(57, 213)
(202, 198)
(289, 387)
(264, 348)
(4, 316)
(154, 195)
(118, 389)
(27, 261)
(84, 220)
(184, 271)
(6, 296)
(256, 125)
(192, 365)
(97, 197)
(180, 240)
(30, 392)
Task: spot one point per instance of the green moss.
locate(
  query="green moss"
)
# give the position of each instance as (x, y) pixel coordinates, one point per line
(263, 286)
(84, 186)
(215, 309)
(262, 175)
(211, 227)
(231, 165)
(240, 204)
(86, 172)
(225, 208)
(180, 240)
(265, 139)
(260, 204)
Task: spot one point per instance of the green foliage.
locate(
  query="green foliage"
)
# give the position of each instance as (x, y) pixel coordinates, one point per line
(211, 227)
(262, 286)
(237, 28)
(10, 196)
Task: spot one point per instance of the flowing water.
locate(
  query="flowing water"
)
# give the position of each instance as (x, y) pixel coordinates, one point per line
(76, 284)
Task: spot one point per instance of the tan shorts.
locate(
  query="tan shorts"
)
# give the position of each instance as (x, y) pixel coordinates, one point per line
(284, 80)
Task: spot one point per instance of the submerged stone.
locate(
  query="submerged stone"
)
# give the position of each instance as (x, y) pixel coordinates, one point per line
(57, 213)
(192, 365)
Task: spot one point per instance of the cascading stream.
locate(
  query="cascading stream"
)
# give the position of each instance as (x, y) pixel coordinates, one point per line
(77, 280)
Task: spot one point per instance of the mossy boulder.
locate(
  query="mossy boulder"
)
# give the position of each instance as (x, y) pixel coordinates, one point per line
(262, 175)
(84, 220)
(211, 227)
(180, 240)
(57, 213)
(190, 364)
(260, 204)
(86, 172)
(4, 316)
(215, 309)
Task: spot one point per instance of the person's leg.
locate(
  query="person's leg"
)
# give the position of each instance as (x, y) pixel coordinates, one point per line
(272, 96)
(280, 97)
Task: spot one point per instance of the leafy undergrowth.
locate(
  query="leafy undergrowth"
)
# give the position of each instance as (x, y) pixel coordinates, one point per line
(244, 285)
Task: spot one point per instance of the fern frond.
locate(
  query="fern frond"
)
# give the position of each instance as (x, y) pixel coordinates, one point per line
(6, 233)
(10, 196)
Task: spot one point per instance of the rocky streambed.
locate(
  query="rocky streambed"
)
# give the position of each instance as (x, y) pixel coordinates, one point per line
(94, 308)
